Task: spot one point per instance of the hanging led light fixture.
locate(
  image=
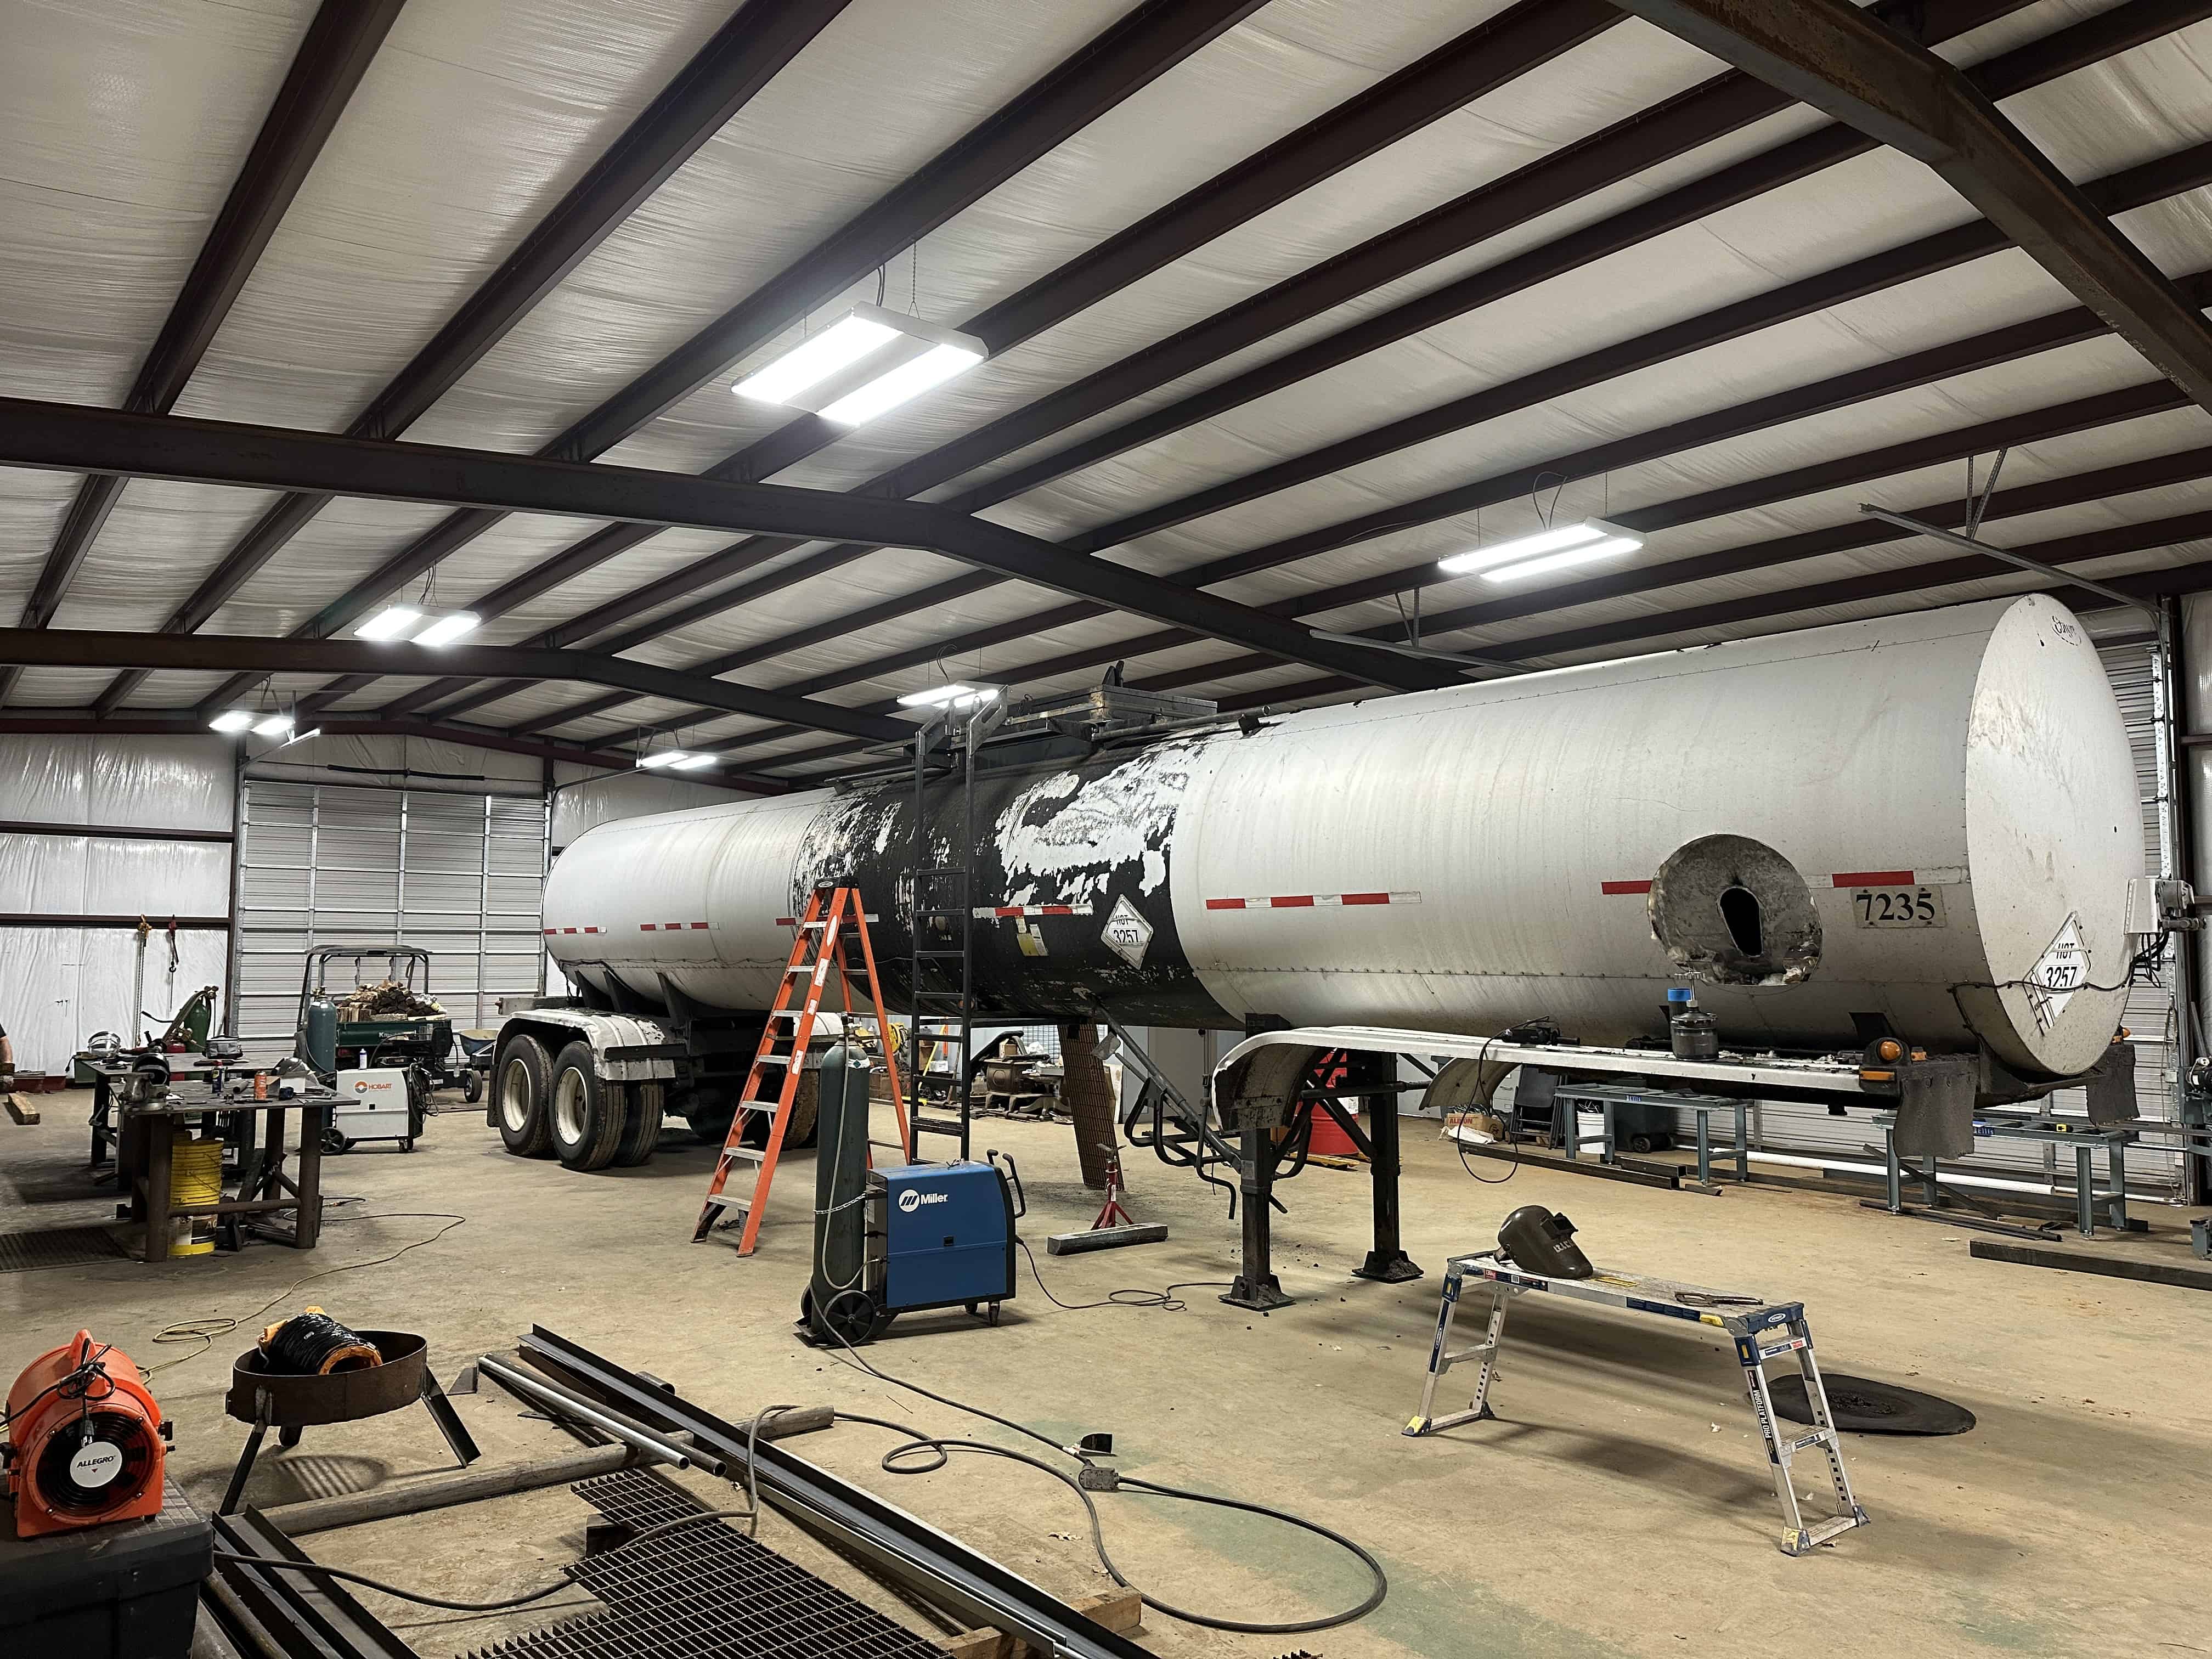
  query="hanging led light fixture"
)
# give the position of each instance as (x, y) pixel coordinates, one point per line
(443, 630)
(838, 347)
(232, 720)
(394, 622)
(1545, 549)
(868, 362)
(405, 622)
(1604, 547)
(278, 724)
(955, 696)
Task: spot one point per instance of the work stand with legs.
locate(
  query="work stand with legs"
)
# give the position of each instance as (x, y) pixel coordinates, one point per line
(1763, 1332)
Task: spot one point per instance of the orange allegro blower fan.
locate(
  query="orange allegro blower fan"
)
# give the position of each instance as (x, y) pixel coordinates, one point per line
(85, 1440)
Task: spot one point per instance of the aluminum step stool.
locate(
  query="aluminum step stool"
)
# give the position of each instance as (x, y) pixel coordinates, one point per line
(1751, 1322)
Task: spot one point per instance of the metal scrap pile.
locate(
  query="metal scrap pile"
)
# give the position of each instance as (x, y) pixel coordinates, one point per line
(388, 1000)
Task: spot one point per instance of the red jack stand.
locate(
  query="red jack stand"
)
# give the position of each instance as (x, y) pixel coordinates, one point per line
(1114, 1227)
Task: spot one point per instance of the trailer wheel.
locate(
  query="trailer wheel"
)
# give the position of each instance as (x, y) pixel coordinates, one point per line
(642, 1127)
(585, 1115)
(519, 1080)
(472, 1086)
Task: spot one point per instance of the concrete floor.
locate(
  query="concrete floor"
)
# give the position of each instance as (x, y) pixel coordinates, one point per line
(1622, 1506)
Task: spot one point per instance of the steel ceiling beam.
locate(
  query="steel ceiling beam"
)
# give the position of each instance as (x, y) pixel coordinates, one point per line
(1516, 40)
(78, 438)
(2101, 483)
(1830, 54)
(1640, 629)
(1920, 368)
(2113, 31)
(70, 647)
(1144, 44)
(2188, 169)
(1854, 590)
(721, 78)
(332, 57)
(1724, 104)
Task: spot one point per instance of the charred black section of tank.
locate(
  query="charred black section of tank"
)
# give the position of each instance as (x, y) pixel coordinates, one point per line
(1080, 848)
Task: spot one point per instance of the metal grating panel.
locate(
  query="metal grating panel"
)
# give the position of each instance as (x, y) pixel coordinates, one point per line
(57, 1247)
(705, 1590)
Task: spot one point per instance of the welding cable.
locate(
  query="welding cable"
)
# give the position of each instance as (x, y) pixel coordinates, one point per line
(1512, 1151)
(895, 1461)
(1166, 1301)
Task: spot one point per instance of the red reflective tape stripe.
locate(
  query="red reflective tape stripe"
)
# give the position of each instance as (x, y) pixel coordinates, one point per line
(1874, 878)
(1292, 901)
(1366, 898)
(786, 921)
(1224, 904)
(591, 930)
(1056, 909)
(698, 924)
(1008, 910)
(550, 930)
(568, 930)
(1624, 887)
(645, 927)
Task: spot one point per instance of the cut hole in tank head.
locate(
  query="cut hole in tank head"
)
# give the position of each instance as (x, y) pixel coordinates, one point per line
(1729, 910)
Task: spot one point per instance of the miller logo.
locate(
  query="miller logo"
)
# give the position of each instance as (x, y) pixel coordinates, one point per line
(913, 1198)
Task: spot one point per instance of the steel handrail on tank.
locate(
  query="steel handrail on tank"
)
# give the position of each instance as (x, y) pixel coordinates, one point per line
(1198, 1146)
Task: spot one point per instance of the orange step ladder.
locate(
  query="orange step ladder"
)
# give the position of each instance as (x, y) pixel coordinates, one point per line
(772, 1082)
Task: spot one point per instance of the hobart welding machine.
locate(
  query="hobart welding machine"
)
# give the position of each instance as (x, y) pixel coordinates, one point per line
(888, 1241)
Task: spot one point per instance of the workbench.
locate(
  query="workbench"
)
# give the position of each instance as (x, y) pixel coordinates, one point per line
(145, 1138)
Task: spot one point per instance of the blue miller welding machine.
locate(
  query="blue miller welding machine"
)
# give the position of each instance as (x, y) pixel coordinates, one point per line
(889, 1241)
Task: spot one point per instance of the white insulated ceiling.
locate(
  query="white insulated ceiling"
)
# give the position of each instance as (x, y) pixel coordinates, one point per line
(122, 125)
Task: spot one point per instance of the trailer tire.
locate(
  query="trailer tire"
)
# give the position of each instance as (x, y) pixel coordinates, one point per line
(641, 1126)
(584, 1115)
(520, 1080)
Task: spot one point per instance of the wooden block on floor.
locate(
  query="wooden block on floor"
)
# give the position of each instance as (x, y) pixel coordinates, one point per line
(1120, 1611)
(20, 1108)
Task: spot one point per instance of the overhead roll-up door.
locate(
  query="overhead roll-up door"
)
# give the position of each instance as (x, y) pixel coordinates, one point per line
(461, 876)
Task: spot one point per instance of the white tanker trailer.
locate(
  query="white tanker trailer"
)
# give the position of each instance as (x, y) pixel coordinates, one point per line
(1923, 825)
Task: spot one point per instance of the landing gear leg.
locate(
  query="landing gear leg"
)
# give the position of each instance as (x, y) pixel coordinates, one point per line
(1388, 1260)
(1256, 1287)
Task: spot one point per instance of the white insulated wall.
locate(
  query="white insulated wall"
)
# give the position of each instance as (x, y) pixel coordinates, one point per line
(59, 984)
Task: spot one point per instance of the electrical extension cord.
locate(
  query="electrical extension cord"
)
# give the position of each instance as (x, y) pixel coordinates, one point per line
(942, 1448)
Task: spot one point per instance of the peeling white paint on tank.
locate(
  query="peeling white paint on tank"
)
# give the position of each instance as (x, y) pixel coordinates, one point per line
(1912, 816)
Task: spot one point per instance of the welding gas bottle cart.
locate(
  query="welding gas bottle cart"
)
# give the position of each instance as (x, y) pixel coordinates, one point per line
(383, 1045)
(1762, 1332)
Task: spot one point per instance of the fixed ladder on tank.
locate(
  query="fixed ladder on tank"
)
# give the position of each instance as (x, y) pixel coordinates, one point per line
(772, 1081)
(941, 923)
